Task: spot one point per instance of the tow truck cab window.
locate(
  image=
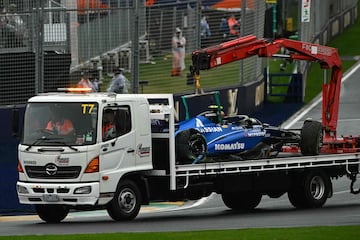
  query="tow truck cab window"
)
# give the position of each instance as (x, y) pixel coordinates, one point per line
(116, 122)
(40, 127)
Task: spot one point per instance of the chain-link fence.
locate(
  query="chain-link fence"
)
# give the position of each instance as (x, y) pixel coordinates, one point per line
(47, 44)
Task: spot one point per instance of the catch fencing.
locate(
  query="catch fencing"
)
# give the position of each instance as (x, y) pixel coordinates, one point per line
(47, 44)
(55, 41)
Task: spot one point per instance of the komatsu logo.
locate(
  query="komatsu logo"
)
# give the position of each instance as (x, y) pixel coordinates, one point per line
(230, 146)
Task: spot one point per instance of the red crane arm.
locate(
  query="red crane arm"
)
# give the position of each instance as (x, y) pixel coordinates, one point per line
(248, 46)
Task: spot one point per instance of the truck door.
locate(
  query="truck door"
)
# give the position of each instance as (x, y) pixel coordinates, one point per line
(118, 141)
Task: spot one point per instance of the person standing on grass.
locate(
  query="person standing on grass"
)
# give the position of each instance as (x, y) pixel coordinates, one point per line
(119, 83)
(234, 26)
(178, 50)
(204, 28)
(85, 82)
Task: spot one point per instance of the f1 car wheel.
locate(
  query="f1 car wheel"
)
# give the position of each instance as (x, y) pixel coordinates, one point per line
(311, 191)
(241, 201)
(190, 145)
(311, 138)
(126, 203)
(52, 213)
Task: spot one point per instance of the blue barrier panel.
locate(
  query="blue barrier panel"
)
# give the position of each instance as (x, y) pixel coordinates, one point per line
(8, 165)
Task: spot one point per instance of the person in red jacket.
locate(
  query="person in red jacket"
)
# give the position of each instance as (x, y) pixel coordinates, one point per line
(108, 128)
(234, 26)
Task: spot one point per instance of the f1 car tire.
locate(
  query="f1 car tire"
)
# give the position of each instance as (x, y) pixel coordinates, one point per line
(126, 203)
(311, 191)
(190, 145)
(311, 138)
(241, 201)
(52, 213)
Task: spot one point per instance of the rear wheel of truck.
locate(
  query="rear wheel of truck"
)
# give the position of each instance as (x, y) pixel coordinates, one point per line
(190, 146)
(126, 203)
(241, 201)
(311, 191)
(311, 138)
(52, 213)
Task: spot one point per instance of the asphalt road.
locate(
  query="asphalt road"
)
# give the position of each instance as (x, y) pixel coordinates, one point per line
(342, 209)
(210, 213)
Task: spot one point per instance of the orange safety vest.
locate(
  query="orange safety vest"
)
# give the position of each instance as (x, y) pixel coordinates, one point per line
(63, 128)
(233, 24)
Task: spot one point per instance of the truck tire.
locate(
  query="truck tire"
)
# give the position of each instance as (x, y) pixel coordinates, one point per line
(126, 203)
(241, 201)
(311, 191)
(190, 145)
(311, 138)
(52, 213)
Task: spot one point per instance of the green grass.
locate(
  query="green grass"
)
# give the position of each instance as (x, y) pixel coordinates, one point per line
(348, 45)
(315, 79)
(313, 233)
(158, 72)
(162, 82)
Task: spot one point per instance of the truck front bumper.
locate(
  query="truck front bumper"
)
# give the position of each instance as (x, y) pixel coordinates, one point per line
(58, 193)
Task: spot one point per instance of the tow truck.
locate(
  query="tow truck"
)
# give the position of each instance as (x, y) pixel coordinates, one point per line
(138, 164)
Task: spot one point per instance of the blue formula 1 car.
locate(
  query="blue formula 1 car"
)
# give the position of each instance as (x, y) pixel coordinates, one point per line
(211, 137)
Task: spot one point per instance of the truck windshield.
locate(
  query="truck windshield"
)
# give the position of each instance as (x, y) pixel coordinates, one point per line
(64, 124)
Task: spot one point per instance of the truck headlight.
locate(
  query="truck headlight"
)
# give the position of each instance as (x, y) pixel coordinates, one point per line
(21, 189)
(83, 190)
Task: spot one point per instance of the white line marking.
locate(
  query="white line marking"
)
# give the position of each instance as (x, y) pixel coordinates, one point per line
(341, 192)
(349, 120)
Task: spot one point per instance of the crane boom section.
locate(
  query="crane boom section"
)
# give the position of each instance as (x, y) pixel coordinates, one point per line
(244, 47)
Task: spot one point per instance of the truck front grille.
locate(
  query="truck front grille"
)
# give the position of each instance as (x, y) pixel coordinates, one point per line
(51, 171)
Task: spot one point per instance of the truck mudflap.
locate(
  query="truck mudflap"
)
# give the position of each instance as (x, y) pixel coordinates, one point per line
(58, 193)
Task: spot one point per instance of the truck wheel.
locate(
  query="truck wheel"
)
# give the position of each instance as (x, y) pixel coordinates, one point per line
(52, 213)
(190, 145)
(241, 201)
(312, 191)
(126, 203)
(311, 138)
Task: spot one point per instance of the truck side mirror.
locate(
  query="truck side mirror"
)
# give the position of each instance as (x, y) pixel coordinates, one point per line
(15, 122)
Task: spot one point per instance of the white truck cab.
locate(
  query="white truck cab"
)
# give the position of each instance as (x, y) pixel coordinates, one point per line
(83, 167)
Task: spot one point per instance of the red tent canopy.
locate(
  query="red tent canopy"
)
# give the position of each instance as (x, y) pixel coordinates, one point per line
(234, 4)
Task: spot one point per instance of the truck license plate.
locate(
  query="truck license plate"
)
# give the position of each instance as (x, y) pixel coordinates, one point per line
(51, 198)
